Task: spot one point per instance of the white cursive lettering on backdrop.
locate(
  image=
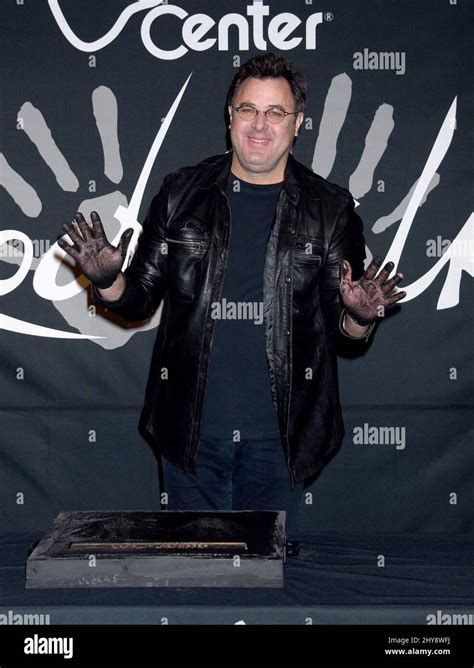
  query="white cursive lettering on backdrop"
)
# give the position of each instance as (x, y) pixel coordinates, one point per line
(458, 261)
(110, 36)
(280, 31)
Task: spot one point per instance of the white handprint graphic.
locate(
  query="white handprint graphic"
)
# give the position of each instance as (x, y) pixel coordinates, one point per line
(52, 277)
(459, 254)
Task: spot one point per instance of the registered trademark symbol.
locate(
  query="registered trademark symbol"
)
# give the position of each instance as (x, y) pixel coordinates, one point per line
(328, 16)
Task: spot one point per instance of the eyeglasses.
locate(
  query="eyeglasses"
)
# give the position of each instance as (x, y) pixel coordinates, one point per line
(273, 115)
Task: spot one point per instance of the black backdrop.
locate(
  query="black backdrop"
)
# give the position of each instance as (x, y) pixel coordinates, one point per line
(388, 103)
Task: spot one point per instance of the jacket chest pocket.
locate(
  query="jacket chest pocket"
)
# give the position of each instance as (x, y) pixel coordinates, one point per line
(185, 254)
(307, 262)
(308, 251)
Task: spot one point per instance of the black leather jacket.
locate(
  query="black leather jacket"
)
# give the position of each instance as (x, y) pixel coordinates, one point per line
(181, 259)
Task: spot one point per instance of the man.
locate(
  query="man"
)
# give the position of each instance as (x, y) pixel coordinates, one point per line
(254, 257)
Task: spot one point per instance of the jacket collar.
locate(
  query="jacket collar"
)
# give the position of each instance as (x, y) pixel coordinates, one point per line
(299, 178)
(216, 172)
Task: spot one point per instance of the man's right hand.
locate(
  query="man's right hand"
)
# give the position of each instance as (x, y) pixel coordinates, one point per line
(98, 260)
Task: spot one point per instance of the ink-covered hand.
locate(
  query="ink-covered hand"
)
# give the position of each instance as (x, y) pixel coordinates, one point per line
(368, 298)
(98, 260)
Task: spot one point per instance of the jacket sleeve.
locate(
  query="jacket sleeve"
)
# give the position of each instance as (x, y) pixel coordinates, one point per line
(146, 276)
(347, 242)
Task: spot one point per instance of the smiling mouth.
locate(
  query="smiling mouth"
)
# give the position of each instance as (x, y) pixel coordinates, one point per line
(259, 141)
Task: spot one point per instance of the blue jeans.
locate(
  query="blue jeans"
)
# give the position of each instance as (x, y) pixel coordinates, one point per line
(248, 475)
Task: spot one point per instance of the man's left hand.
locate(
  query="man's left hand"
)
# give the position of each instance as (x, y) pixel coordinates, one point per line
(368, 298)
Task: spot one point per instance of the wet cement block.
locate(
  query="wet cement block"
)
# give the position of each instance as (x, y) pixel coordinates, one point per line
(160, 549)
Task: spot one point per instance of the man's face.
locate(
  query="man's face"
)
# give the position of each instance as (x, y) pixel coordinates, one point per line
(261, 148)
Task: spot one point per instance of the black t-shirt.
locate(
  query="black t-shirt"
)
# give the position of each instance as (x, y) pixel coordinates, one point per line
(238, 395)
